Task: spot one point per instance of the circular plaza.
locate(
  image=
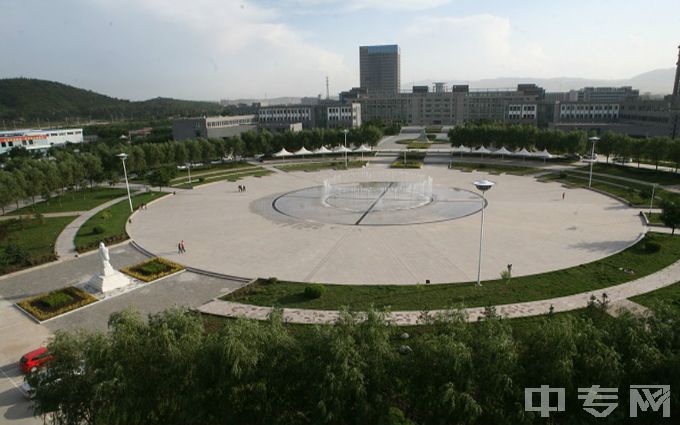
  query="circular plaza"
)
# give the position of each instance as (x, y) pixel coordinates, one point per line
(381, 226)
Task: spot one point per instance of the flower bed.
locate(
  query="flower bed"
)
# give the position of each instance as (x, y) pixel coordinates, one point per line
(51, 304)
(152, 269)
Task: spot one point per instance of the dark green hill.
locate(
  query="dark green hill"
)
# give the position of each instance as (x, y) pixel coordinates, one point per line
(27, 100)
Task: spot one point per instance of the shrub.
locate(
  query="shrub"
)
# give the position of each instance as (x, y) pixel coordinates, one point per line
(15, 254)
(652, 247)
(563, 175)
(52, 304)
(152, 269)
(201, 179)
(271, 281)
(98, 230)
(57, 299)
(506, 275)
(106, 214)
(313, 291)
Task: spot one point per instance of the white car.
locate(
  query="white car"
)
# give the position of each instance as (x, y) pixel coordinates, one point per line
(27, 389)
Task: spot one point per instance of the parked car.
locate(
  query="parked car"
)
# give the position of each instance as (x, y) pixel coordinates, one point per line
(31, 361)
(590, 157)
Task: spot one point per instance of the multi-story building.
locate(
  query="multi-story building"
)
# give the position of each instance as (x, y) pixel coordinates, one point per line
(39, 139)
(379, 69)
(212, 127)
(326, 114)
(586, 112)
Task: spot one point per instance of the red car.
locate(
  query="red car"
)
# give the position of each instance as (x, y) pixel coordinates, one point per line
(32, 360)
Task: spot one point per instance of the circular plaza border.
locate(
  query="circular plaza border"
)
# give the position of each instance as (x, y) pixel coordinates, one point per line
(527, 224)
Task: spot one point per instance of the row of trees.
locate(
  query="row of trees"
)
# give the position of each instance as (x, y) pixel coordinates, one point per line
(654, 150)
(517, 137)
(30, 178)
(27, 177)
(168, 370)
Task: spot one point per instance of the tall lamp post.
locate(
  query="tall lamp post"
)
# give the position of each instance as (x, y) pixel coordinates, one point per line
(189, 170)
(123, 157)
(593, 139)
(482, 186)
(345, 131)
(651, 201)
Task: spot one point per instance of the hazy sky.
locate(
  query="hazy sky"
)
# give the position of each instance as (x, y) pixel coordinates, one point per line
(212, 49)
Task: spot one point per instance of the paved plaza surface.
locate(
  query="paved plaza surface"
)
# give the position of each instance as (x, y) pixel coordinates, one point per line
(527, 224)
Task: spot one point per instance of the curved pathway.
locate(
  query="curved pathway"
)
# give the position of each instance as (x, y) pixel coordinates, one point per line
(615, 294)
(65, 246)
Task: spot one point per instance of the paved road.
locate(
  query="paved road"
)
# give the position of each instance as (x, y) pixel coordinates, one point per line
(19, 334)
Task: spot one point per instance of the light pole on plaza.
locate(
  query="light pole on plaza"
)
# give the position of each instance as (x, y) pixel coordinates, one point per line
(123, 157)
(482, 186)
(651, 201)
(345, 131)
(593, 139)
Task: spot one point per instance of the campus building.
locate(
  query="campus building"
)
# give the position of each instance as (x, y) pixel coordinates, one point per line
(39, 139)
(212, 127)
(325, 114)
(380, 69)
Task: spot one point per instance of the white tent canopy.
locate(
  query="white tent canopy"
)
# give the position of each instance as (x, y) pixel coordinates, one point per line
(322, 150)
(460, 148)
(482, 149)
(302, 151)
(523, 152)
(283, 152)
(362, 148)
(542, 154)
(502, 151)
(341, 149)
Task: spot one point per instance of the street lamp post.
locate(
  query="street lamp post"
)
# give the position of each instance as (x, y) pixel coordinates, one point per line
(123, 157)
(189, 170)
(482, 186)
(593, 139)
(651, 201)
(345, 131)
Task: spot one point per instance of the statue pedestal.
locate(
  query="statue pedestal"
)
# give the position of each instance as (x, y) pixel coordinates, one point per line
(109, 281)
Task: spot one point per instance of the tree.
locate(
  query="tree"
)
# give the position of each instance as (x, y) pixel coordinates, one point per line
(9, 192)
(657, 150)
(670, 214)
(162, 176)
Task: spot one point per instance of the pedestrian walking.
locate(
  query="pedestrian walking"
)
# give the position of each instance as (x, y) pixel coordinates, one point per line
(181, 244)
(563, 193)
(179, 248)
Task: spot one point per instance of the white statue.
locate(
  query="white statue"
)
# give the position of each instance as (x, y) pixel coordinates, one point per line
(104, 255)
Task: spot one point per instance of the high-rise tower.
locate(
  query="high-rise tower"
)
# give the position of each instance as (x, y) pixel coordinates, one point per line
(379, 69)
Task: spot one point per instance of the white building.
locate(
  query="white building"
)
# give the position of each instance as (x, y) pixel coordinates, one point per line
(39, 139)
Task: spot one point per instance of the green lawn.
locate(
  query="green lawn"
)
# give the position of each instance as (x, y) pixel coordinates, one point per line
(643, 174)
(111, 222)
(670, 296)
(207, 169)
(316, 166)
(81, 200)
(34, 237)
(655, 218)
(636, 194)
(494, 168)
(596, 275)
(408, 164)
(432, 142)
(229, 176)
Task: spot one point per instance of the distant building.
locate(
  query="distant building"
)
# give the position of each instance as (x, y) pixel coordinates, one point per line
(380, 69)
(325, 114)
(212, 127)
(39, 139)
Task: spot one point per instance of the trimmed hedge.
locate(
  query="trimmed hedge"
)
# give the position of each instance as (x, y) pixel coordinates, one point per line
(152, 269)
(55, 303)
